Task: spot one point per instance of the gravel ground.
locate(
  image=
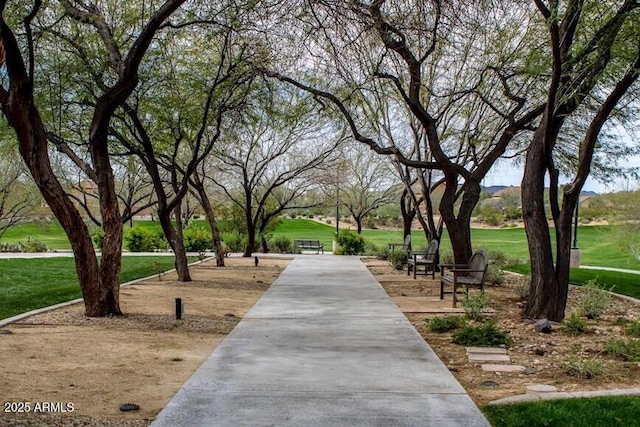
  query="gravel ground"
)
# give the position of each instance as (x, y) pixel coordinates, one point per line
(57, 420)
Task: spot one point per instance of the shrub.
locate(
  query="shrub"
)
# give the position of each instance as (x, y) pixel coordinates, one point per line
(97, 235)
(282, 244)
(351, 243)
(522, 287)
(446, 323)
(486, 335)
(497, 261)
(474, 305)
(398, 259)
(235, 241)
(583, 368)
(633, 329)
(197, 239)
(138, 239)
(626, 350)
(446, 257)
(33, 245)
(371, 249)
(594, 300)
(383, 253)
(575, 325)
(10, 247)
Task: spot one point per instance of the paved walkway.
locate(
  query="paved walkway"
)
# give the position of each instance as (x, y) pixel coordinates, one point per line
(325, 346)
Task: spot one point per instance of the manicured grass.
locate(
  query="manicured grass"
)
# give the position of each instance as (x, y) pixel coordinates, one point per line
(600, 411)
(622, 283)
(27, 284)
(49, 233)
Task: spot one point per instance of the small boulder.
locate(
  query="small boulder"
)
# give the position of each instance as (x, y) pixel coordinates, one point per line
(543, 325)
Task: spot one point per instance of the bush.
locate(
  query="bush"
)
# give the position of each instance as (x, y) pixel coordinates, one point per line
(522, 287)
(97, 235)
(594, 300)
(197, 239)
(138, 239)
(235, 241)
(583, 368)
(282, 244)
(10, 247)
(398, 259)
(33, 245)
(633, 329)
(486, 335)
(446, 323)
(575, 325)
(497, 261)
(383, 253)
(474, 305)
(371, 249)
(626, 350)
(350, 242)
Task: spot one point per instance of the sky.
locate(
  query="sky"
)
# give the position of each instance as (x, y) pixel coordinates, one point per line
(509, 174)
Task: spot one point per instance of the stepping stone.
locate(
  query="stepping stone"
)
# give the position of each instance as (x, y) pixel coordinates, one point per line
(479, 357)
(541, 388)
(502, 368)
(486, 350)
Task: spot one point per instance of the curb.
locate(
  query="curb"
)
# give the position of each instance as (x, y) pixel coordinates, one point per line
(9, 320)
(537, 397)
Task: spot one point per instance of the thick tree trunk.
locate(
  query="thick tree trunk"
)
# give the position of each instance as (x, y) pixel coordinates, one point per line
(358, 224)
(251, 240)
(547, 294)
(459, 227)
(408, 213)
(177, 245)
(33, 146)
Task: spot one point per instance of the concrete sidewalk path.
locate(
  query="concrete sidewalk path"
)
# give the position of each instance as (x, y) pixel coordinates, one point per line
(325, 346)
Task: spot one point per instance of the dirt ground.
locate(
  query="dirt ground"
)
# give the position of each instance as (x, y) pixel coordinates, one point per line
(62, 361)
(547, 358)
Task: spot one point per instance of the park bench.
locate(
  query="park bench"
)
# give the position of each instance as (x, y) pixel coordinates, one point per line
(464, 276)
(406, 245)
(309, 244)
(423, 258)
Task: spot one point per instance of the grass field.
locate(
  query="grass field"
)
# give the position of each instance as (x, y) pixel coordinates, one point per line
(28, 284)
(623, 411)
(599, 244)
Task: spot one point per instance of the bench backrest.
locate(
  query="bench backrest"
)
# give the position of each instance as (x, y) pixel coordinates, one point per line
(406, 246)
(479, 261)
(432, 249)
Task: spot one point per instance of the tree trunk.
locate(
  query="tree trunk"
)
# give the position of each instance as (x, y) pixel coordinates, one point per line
(177, 245)
(459, 227)
(251, 240)
(547, 295)
(358, 224)
(408, 213)
(213, 224)
(33, 146)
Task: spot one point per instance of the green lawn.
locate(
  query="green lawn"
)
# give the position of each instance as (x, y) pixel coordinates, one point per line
(28, 284)
(623, 411)
(622, 283)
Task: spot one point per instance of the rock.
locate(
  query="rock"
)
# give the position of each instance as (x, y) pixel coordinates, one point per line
(489, 383)
(540, 351)
(452, 368)
(543, 326)
(5, 332)
(529, 371)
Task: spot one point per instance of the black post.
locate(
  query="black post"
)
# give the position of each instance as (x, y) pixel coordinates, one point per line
(178, 308)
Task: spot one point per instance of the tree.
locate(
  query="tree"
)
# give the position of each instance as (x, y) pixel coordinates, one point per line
(367, 183)
(595, 61)
(178, 116)
(461, 86)
(99, 282)
(269, 155)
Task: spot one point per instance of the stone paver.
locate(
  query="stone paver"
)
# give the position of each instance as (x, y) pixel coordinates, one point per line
(502, 368)
(487, 357)
(325, 346)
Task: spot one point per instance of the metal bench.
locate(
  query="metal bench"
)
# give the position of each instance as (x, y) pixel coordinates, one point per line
(309, 244)
(464, 276)
(425, 258)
